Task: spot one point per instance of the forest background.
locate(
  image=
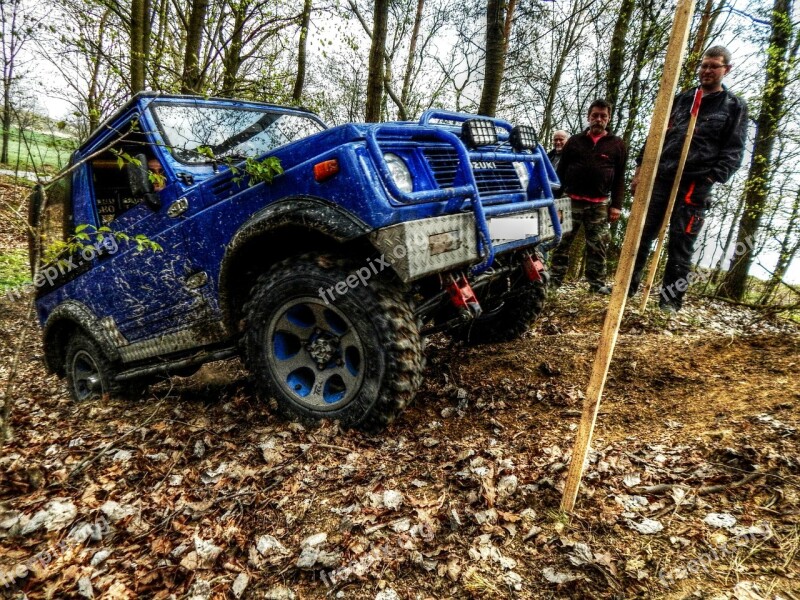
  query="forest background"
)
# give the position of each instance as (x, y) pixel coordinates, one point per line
(530, 62)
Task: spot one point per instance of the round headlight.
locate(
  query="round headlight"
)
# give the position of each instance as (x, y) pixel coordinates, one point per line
(399, 171)
(522, 172)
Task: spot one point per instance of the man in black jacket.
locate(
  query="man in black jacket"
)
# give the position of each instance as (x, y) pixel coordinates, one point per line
(592, 168)
(715, 154)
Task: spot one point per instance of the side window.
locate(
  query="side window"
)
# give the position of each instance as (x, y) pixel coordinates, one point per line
(50, 217)
(112, 191)
(109, 175)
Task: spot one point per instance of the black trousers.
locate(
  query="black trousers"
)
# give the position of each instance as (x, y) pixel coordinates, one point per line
(685, 224)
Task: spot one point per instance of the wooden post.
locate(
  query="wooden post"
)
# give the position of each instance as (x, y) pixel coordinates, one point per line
(616, 304)
(673, 194)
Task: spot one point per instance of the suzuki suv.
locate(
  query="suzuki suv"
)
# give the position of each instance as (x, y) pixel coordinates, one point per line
(195, 229)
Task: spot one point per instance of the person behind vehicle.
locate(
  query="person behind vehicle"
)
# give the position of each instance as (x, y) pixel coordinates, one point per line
(156, 174)
(715, 154)
(591, 169)
(560, 138)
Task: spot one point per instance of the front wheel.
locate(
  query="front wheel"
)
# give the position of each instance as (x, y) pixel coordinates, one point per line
(325, 344)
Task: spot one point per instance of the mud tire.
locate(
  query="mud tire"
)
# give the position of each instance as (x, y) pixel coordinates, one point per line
(371, 329)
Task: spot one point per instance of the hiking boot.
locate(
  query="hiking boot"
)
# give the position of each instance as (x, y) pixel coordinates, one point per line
(603, 290)
(668, 308)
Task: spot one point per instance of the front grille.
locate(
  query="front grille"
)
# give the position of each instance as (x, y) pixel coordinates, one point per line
(495, 177)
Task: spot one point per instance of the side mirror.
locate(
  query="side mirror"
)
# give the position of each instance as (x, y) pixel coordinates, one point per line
(139, 181)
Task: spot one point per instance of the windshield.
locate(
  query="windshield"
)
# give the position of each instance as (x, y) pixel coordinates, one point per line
(226, 131)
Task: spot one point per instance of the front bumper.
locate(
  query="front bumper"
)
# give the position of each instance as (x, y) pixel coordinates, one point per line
(439, 244)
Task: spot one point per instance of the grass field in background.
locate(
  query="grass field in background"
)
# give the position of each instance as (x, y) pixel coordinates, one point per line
(14, 270)
(37, 151)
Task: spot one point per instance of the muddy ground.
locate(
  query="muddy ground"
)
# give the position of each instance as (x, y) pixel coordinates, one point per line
(693, 486)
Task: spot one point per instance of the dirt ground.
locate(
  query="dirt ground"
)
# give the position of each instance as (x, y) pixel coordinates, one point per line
(692, 488)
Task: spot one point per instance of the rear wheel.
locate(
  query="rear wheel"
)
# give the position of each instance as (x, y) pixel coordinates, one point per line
(90, 374)
(355, 356)
(507, 313)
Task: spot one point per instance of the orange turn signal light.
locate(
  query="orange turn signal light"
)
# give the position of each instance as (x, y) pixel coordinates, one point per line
(326, 169)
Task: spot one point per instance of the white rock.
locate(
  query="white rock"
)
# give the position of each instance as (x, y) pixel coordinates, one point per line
(80, 533)
(115, 511)
(122, 456)
(240, 584)
(720, 520)
(207, 552)
(200, 590)
(314, 540)
(507, 486)
(160, 457)
(387, 594)
(392, 499)
(631, 480)
(554, 576)
(268, 546)
(199, 449)
(308, 558)
(647, 526)
(100, 557)
(513, 580)
(486, 516)
(56, 515)
(85, 587)
(279, 593)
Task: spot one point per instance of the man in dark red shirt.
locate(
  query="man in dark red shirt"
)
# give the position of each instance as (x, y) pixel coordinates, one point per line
(592, 174)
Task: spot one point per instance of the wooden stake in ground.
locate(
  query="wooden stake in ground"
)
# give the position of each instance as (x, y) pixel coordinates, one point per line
(673, 194)
(616, 304)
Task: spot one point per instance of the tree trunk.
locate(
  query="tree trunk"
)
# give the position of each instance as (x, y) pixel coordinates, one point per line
(572, 33)
(617, 59)
(498, 32)
(376, 60)
(297, 93)
(789, 249)
(9, 42)
(138, 18)
(233, 55)
(708, 16)
(93, 95)
(726, 248)
(758, 179)
(191, 81)
(412, 50)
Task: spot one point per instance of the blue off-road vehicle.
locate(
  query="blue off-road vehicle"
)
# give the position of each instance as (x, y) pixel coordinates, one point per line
(324, 277)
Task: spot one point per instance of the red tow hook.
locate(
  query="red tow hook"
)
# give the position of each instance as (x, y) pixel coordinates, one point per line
(463, 298)
(533, 267)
